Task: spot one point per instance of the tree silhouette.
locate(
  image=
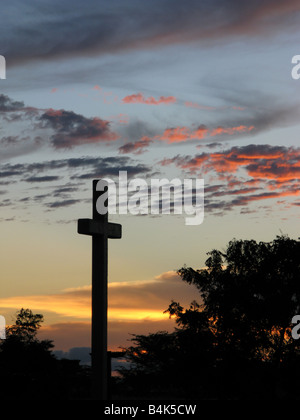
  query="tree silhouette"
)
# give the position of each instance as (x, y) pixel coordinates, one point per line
(235, 343)
(250, 293)
(26, 325)
(29, 369)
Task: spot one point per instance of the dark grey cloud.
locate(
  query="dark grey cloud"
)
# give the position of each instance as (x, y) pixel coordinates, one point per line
(40, 197)
(8, 140)
(52, 28)
(76, 168)
(47, 178)
(211, 145)
(6, 202)
(62, 191)
(136, 147)
(8, 173)
(60, 129)
(113, 171)
(63, 203)
(71, 129)
(43, 186)
(7, 104)
(108, 166)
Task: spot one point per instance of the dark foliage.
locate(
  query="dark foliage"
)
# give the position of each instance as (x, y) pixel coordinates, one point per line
(235, 344)
(29, 370)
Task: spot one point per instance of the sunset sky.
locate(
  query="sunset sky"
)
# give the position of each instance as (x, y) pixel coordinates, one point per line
(159, 89)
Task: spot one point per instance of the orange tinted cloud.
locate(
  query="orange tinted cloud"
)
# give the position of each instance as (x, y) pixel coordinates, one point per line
(181, 134)
(275, 170)
(279, 170)
(175, 135)
(200, 132)
(127, 300)
(139, 98)
(270, 162)
(259, 161)
(134, 308)
(231, 130)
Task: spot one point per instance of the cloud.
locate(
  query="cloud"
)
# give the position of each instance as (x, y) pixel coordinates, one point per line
(249, 174)
(260, 161)
(265, 195)
(41, 178)
(64, 203)
(51, 29)
(82, 167)
(137, 147)
(128, 301)
(66, 189)
(255, 119)
(8, 105)
(8, 173)
(274, 162)
(139, 98)
(244, 198)
(63, 190)
(111, 166)
(71, 129)
(57, 128)
(183, 134)
(134, 308)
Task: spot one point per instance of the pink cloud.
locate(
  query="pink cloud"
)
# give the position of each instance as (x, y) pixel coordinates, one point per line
(139, 98)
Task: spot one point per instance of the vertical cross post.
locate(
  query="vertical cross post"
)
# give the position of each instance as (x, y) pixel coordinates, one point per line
(100, 229)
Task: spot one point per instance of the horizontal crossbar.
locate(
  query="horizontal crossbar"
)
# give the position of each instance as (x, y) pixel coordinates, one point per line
(96, 227)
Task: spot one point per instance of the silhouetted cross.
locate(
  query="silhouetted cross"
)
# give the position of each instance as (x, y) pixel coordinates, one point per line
(100, 230)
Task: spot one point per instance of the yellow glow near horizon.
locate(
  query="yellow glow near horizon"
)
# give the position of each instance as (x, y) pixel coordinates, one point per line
(77, 309)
